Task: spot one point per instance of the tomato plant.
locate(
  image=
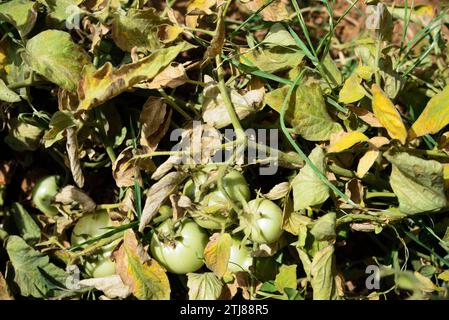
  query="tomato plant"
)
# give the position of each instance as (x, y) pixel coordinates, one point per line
(180, 252)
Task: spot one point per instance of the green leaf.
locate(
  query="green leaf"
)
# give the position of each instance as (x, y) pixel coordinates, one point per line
(138, 28)
(60, 121)
(98, 86)
(58, 11)
(324, 227)
(331, 71)
(54, 55)
(306, 111)
(8, 95)
(21, 14)
(204, 286)
(279, 36)
(418, 183)
(32, 270)
(308, 189)
(286, 278)
(23, 136)
(323, 274)
(27, 227)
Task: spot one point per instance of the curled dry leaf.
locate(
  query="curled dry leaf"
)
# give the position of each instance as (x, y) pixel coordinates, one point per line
(214, 110)
(370, 157)
(124, 170)
(70, 195)
(178, 212)
(199, 143)
(112, 286)
(278, 10)
(171, 77)
(158, 193)
(279, 191)
(73, 155)
(155, 121)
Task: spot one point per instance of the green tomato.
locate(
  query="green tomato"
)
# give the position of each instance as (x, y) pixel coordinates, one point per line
(44, 193)
(92, 225)
(184, 254)
(263, 222)
(216, 212)
(240, 259)
(236, 186)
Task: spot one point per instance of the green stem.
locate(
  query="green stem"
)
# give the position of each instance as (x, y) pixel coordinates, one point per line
(111, 153)
(175, 106)
(370, 195)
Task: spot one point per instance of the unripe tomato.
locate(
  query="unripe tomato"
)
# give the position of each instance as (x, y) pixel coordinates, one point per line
(263, 222)
(183, 254)
(216, 213)
(44, 193)
(93, 225)
(240, 258)
(236, 186)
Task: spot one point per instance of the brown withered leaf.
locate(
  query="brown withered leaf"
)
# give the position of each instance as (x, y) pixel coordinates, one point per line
(155, 121)
(6, 171)
(278, 10)
(145, 277)
(4, 290)
(197, 8)
(124, 170)
(279, 191)
(71, 195)
(366, 116)
(171, 77)
(178, 212)
(370, 157)
(73, 155)
(158, 193)
(112, 286)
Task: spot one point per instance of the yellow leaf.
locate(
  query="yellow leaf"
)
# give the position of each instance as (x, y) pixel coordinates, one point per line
(444, 276)
(146, 278)
(346, 141)
(366, 162)
(388, 115)
(217, 253)
(352, 90)
(434, 117)
(364, 72)
(98, 86)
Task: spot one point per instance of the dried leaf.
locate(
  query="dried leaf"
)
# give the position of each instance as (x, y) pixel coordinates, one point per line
(279, 191)
(124, 170)
(74, 158)
(155, 121)
(171, 77)
(388, 115)
(157, 194)
(70, 195)
(278, 10)
(112, 286)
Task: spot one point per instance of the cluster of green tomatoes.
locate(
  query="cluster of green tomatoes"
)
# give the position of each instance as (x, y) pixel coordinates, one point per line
(179, 245)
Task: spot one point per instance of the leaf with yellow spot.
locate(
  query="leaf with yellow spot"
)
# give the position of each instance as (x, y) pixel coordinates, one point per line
(217, 253)
(146, 278)
(346, 141)
(352, 90)
(434, 117)
(387, 114)
(98, 86)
